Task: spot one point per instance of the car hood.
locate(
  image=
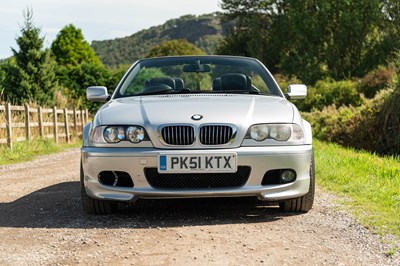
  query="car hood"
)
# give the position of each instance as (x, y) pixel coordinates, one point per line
(214, 108)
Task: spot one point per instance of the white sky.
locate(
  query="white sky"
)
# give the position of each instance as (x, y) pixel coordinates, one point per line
(98, 19)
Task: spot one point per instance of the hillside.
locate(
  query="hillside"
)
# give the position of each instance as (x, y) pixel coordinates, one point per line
(204, 31)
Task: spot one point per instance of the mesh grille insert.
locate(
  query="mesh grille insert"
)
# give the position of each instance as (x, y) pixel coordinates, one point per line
(197, 180)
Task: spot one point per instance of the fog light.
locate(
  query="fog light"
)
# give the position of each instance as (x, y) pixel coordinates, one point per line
(287, 176)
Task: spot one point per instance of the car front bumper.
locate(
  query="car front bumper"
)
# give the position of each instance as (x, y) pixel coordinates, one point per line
(135, 160)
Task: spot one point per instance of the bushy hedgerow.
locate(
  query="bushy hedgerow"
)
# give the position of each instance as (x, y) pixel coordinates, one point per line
(374, 125)
(324, 93)
(327, 92)
(376, 80)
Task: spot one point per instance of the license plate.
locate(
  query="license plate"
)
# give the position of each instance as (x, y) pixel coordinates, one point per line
(211, 163)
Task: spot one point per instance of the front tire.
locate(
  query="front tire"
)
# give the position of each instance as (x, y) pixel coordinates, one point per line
(95, 206)
(304, 203)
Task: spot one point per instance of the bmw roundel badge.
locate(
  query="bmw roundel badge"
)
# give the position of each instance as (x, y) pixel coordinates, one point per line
(197, 117)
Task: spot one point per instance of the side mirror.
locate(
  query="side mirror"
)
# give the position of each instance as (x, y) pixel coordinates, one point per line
(97, 94)
(296, 92)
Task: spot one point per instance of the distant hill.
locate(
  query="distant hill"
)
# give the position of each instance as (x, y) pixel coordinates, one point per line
(204, 31)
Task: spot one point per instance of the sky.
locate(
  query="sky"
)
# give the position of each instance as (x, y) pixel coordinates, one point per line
(98, 19)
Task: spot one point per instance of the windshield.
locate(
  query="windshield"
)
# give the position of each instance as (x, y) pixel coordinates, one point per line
(190, 74)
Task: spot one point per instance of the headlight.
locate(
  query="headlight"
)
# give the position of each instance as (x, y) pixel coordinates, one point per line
(115, 134)
(279, 132)
(259, 132)
(135, 134)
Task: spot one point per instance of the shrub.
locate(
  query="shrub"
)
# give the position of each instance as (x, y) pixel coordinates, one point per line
(327, 92)
(373, 126)
(376, 80)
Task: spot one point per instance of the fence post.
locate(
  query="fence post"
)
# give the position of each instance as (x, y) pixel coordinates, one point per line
(27, 126)
(9, 125)
(40, 116)
(82, 123)
(87, 116)
(75, 123)
(66, 125)
(55, 124)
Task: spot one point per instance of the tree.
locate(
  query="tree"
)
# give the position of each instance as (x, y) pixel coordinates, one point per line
(251, 33)
(2, 77)
(313, 38)
(175, 47)
(76, 79)
(30, 72)
(71, 49)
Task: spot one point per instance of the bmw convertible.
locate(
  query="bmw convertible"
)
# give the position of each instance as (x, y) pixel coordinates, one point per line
(197, 126)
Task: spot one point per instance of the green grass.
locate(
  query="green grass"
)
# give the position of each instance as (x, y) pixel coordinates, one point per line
(368, 184)
(26, 151)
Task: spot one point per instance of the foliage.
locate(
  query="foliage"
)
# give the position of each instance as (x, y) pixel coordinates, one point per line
(313, 39)
(71, 49)
(2, 77)
(203, 31)
(285, 81)
(370, 184)
(30, 73)
(372, 126)
(76, 79)
(327, 92)
(175, 47)
(80, 68)
(376, 80)
(251, 34)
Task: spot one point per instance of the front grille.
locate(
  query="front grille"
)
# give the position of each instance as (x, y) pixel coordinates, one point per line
(215, 134)
(197, 180)
(178, 135)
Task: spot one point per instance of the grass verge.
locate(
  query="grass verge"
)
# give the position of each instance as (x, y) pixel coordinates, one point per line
(368, 184)
(26, 151)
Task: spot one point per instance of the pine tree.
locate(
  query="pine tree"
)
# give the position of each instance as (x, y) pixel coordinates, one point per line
(30, 72)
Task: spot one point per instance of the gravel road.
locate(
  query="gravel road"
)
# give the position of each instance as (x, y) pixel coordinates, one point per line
(42, 223)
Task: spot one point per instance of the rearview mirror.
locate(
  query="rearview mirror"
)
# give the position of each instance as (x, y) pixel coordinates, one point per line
(97, 94)
(296, 92)
(196, 68)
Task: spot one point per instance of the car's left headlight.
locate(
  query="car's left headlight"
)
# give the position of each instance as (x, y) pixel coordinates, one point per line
(116, 134)
(278, 132)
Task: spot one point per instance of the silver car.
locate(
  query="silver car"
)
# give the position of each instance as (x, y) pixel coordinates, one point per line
(197, 126)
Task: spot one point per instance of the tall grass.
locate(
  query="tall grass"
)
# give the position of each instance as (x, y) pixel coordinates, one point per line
(26, 151)
(368, 184)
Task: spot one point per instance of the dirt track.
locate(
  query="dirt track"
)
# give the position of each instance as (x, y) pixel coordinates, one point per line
(42, 222)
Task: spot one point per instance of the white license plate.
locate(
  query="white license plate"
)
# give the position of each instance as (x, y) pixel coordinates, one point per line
(212, 163)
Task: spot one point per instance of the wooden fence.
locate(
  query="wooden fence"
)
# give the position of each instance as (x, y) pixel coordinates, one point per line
(23, 123)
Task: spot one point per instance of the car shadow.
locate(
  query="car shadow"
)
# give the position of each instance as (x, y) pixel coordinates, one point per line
(59, 206)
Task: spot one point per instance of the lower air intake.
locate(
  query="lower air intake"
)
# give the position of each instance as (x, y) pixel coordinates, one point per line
(197, 180)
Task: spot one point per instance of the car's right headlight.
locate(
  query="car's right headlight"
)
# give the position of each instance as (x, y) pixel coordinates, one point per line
(278, 132)
(116, 134)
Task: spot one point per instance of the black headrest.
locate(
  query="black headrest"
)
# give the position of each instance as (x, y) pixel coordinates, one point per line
(235, 82)
(216, 85)
(179, 84)
(163, 80)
